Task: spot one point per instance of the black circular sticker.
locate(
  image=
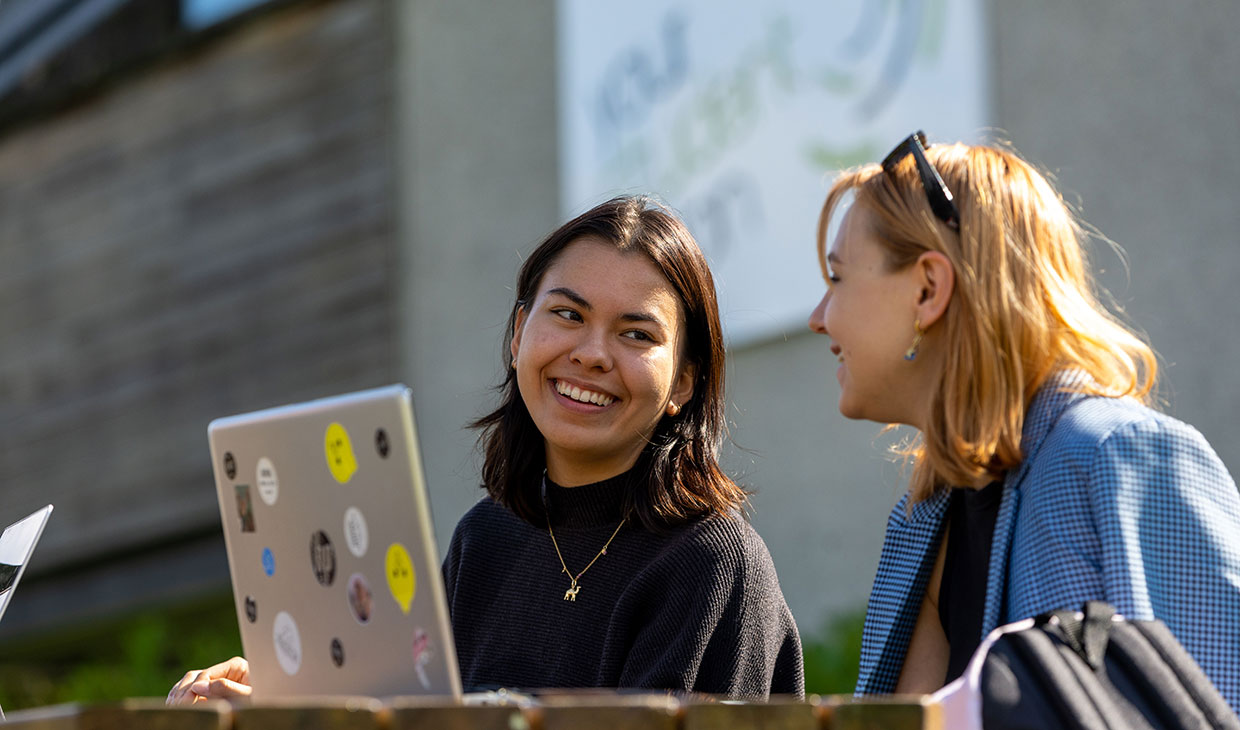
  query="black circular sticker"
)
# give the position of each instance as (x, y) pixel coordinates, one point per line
(381, 443)
(230, 465)
(323, 558)
(251, 609)
(337, 653)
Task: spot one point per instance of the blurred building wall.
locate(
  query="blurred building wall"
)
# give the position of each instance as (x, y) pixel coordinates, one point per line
(336, 194)
(1131, 107)
(1128, 106)
(211, 234)
(478, 189)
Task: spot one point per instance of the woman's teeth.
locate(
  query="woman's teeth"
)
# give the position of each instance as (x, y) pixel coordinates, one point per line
(583, 396)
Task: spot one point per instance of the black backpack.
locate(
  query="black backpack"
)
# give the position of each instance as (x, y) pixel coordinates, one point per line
(1091, 670)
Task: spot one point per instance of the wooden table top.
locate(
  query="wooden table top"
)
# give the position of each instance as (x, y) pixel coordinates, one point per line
(595, 709)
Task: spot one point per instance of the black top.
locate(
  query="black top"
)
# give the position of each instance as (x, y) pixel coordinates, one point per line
(962, 592)
(699, 608)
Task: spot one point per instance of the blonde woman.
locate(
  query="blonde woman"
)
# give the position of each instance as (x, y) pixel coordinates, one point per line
(959, 303)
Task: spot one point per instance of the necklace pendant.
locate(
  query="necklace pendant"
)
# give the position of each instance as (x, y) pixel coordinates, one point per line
(571, 593)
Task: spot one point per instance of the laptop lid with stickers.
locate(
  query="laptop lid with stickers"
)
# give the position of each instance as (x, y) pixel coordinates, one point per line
(16, 546)
(335, 571)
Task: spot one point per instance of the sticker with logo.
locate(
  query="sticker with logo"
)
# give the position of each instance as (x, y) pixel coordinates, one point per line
(356, 535)
(423, 652)
(269, 562)
(361, 600)
(323, 558)
(287, 641)
(400, 576)
(268, 481)
(245, 507)
(339, 450)
(251, 609)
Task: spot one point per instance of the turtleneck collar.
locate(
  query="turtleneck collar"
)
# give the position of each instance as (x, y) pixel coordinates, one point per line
(589, 505)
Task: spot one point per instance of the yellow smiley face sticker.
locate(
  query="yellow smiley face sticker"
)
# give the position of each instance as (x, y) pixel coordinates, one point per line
(400, 577)
(340, 458)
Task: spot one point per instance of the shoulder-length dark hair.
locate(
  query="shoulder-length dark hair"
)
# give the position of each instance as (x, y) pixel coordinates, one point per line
(677, 476)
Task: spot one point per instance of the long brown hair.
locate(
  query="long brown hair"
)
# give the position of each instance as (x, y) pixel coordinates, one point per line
(677, 476)
(1024, 305)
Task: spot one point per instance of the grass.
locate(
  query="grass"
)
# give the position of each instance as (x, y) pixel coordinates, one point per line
(137, 656)
(145, 654)
(832, 654)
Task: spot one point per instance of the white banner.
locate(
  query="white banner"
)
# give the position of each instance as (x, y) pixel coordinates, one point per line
(738, 114)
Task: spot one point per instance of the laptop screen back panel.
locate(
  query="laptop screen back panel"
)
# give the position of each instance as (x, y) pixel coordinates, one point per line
(335, 571)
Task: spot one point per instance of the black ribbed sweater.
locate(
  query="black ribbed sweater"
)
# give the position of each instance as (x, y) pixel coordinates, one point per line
(697, 609)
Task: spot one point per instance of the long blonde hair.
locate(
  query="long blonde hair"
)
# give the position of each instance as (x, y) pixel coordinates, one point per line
(1023, 308)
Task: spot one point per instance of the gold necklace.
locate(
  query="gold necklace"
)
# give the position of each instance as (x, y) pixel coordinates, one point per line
(574, 588)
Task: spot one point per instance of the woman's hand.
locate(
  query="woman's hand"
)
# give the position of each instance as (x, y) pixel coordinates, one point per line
(226, 680)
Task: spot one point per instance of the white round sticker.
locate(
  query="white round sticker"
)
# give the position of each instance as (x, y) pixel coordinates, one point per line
(287, 642)
(356, 536)
(268, 481)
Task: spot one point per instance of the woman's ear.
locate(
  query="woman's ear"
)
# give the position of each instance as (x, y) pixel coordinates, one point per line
(937, 281)
(682, 389)
(518, 327)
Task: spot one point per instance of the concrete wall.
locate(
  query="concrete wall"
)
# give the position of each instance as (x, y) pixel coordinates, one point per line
(477, 191)
(1130, 106)
(1133, 107)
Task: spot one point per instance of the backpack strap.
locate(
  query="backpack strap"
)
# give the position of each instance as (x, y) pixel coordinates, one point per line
(1086, 633)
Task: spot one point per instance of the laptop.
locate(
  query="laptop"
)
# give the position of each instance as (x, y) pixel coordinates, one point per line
(335, 572)
(16, 545)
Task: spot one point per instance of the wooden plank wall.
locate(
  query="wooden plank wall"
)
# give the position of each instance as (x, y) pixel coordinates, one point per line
(213, 235)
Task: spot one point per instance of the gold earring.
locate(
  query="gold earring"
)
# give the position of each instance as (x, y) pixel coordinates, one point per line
(911, 352)
(673, 410)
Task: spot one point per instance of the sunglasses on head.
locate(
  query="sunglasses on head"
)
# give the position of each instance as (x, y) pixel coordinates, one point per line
(936, 190)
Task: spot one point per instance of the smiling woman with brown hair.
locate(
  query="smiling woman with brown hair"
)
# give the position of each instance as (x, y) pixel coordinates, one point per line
(602, 457)
(638, 254)
(611, 550)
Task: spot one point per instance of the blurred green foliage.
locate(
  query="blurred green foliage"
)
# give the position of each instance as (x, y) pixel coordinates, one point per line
(833, 653)
(145, 654)
(141, 655)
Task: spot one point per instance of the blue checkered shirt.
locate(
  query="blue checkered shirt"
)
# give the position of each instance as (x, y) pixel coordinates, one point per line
(1113, 501)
